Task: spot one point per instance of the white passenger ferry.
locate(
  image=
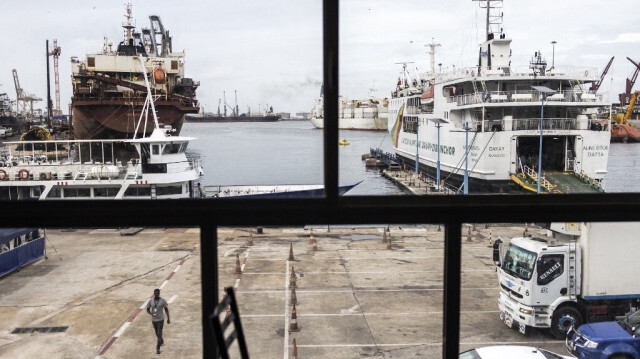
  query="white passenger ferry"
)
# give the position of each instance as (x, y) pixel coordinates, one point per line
(494, 111)
(153, 167)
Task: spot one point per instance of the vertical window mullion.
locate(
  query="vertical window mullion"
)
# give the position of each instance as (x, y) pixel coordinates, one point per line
(330, 68)
(451, 300)
(209, 275)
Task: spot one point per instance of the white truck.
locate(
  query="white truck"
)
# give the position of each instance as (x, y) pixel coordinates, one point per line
(580, 273)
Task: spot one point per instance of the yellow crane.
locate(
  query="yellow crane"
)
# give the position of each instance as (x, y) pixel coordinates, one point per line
(623, 118)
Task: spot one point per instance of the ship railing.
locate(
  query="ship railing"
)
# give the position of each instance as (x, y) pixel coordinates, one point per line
(531, 173)
(576, 73)
(548, 124)
(485, 97)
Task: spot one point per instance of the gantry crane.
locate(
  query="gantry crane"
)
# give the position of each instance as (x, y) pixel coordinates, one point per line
(626, 96)
(55, 53)
(22, 98)
(596, 85)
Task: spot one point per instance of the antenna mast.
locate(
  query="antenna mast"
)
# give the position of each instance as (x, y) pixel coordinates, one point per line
(129, 25)
(432, 54)
(494, 15)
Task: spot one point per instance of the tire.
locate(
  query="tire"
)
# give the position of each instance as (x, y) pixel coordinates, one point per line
(620, 356)
(563, 319)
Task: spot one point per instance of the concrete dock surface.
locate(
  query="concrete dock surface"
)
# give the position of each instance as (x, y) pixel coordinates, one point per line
(357, 296)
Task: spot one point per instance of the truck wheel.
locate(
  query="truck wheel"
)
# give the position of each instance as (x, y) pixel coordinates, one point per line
(563, 319)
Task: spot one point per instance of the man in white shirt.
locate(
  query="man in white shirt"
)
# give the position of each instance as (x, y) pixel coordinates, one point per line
(154, 307)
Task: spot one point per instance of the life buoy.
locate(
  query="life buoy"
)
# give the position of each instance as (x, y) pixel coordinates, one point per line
(3, 174)
(43, 176)
(23, 174)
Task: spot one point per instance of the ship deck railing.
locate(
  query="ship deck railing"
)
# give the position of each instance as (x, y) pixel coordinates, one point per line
(576, 73)
(76, 171)
(532, 174)
(506, 97)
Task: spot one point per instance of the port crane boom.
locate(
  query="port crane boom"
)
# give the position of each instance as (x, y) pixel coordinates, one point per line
(55, 53)
(23, 98)
(626, 96)
(596, 85)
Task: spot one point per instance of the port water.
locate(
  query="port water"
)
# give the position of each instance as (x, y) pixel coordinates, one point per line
(290, 152)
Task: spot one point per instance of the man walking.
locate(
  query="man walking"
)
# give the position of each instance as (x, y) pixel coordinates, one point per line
(154, 307)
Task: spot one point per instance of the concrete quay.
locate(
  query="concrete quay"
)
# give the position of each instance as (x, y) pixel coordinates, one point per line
(416, 184)
(357, 296)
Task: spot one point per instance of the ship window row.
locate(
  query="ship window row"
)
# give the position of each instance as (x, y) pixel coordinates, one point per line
(86, 192)
(58, 192)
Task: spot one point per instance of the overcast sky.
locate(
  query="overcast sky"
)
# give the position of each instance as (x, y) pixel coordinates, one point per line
(271, 51)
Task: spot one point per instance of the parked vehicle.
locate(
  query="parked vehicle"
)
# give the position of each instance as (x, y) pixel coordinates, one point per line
(580, 273)
(618, 339)
(509, 351)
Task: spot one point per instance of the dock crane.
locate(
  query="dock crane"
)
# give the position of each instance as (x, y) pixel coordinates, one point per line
(23, 98)
(596, 85)
(623, 119)
(55, 53)
(626, 96)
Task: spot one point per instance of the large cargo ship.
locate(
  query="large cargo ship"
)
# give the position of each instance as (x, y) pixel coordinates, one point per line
(364, 114)
(266, 115)
(109, 91)
(489, 126)
(9, 120)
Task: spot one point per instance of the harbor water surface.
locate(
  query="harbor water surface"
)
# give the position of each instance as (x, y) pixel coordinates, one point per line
(290, 152)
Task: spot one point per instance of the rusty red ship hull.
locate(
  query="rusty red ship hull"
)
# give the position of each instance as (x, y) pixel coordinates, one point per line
(100, 119)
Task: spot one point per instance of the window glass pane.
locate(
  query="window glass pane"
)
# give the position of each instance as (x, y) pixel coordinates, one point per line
(355, 294)
(264, 66)
(105, 191)
(470, 104)
(121, 265)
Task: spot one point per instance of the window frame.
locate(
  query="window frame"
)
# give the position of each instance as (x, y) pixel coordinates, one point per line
(209, 214)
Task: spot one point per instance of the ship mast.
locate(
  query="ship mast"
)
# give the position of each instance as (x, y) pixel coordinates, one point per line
(493, 17)
(128, 26)
(432, 54)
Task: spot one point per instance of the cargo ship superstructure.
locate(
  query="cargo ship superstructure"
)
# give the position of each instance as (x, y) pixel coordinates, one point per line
(109, 91)
(482, 125)
(364, 114)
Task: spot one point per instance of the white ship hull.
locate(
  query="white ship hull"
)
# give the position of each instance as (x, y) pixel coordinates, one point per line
(494, 156)
(375, 124)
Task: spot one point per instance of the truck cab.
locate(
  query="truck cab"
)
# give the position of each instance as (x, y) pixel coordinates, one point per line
(536, 275)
